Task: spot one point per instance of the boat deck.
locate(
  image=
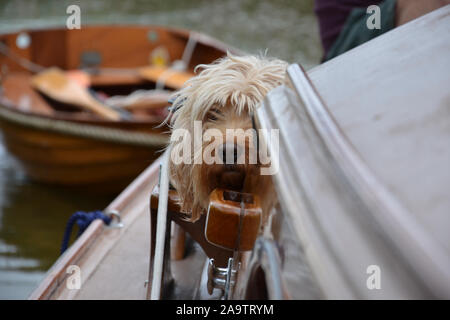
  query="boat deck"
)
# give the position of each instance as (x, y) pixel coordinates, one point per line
(122, 271)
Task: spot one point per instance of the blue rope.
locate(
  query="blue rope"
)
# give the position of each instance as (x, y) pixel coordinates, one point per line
(83, 220)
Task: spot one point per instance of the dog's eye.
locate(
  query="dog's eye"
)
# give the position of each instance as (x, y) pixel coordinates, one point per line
(213, 114)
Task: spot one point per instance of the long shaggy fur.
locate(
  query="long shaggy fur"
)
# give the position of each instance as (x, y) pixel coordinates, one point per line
(232, 87)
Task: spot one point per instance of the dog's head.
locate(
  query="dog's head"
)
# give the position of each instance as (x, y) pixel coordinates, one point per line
(212, 114)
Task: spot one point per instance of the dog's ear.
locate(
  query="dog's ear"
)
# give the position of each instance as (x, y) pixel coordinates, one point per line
(178, 174)
(190, 203)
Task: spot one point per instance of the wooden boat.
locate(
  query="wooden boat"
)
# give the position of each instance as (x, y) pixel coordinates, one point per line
(59, 144)
(362, 186)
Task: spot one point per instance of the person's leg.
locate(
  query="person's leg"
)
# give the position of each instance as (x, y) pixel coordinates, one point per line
(408, 10)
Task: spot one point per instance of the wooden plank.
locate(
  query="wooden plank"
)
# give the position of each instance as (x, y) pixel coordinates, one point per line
(119, 77)
(131, 42)
(171, 78)
(49, 48)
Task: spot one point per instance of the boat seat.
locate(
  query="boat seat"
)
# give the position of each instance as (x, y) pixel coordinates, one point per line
(171, 78)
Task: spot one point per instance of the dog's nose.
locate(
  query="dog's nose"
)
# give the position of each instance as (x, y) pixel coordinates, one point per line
(229, 153)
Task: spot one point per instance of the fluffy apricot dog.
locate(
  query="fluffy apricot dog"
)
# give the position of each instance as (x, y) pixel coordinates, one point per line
(222, 97)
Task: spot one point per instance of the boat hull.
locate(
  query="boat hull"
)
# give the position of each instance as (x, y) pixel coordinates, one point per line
(66, 160)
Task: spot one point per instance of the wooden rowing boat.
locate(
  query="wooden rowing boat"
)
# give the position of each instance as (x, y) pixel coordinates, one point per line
(60, 144)
(363, 188)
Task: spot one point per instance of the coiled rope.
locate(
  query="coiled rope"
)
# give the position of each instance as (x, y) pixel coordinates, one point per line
(83, 220)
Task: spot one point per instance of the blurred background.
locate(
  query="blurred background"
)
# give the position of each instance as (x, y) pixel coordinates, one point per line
(33, 216)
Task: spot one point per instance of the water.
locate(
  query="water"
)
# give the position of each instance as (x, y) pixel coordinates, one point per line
(32, 220)
(33, 216)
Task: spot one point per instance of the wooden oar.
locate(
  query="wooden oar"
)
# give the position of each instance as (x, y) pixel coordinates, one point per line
(171, 78)
(58, 86)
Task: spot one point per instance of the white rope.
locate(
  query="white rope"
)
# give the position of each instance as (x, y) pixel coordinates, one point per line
(189, 49)
(179, 65)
